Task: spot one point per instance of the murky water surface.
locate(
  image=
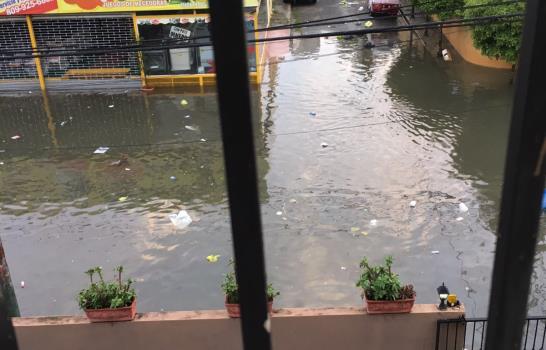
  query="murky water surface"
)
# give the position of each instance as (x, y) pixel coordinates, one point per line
(399, 125)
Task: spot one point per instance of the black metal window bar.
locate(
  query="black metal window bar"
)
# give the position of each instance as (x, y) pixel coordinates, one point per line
(520, 208)
(469, 334)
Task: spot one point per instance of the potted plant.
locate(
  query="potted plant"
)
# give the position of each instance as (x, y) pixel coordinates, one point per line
(108, 301)
(382, 291)
(231, 291)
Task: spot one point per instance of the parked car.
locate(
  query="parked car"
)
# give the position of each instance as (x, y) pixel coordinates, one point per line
(383, 7)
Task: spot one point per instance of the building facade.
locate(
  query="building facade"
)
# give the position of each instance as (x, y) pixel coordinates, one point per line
(74, 39)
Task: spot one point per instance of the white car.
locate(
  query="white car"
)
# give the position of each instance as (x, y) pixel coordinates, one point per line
(384, 7)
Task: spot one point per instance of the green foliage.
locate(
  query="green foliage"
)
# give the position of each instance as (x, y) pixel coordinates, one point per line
(497, 40)
(380, 283)
(231, 289)
(103, 295)
(445, 9)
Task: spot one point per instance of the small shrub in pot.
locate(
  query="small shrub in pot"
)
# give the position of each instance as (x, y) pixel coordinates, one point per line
(382, 289)
(108, 301)
(231, 292)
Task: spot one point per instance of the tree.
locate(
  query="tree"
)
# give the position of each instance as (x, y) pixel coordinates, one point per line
(500, 40)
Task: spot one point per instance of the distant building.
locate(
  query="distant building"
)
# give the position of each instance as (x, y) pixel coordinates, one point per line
(58, 28)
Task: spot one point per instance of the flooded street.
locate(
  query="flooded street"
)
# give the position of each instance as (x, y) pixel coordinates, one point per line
(399, 126)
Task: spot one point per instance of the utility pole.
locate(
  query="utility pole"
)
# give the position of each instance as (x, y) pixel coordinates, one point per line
(7, 293)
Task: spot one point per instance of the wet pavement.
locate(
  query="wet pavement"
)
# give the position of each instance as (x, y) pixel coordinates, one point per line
(399, 124)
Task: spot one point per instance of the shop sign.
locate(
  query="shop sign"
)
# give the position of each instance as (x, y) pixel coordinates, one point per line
(34, 7)
(179, 33)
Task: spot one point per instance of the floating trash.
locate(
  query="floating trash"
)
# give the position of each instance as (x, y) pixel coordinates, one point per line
(203, 140)
(434, 252)
(324, 145)
(101, 150)
(463, 208)
(213, 258)
(355, 229)
(181, 220)
(122, 199)
(188, 116)
(364, 233)
(460, 218)
(172, 178)
(184, 103)
(373, 222)
(412, 204)
(293, 200)
(368, 24)
(313, 114)
(16, 137)
(22, 284)
(192, 128)
(64, 122)
(343, 268)
(1, 163)
(111, 106)
(127, 169)
(361, 8)
(279, 213)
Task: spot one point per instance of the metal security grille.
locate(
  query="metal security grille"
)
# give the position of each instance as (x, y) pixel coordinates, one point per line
(469, 334)
(15, 41)
(53, 35)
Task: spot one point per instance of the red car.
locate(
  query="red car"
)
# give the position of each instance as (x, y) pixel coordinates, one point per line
(384, 7)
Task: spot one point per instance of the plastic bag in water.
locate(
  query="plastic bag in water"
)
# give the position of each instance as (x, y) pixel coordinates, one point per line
(182, 220)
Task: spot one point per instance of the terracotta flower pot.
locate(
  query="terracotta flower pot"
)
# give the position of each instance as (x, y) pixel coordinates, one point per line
(127, 313)
(234, 311)
(388, 306)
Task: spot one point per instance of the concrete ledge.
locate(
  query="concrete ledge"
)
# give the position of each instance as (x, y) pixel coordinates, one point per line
(324, 328)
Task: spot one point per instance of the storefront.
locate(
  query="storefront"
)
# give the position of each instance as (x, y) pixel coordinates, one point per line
(58, 25)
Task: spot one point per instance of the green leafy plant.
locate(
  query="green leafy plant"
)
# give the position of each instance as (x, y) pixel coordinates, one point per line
(380, 283)
(443, 8)
(500, 40)
(231, 289)
(106, 295)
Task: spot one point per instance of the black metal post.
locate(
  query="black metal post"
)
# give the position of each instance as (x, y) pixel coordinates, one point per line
(522, 190)
(441, 41)
(229, 41)
(8, 305)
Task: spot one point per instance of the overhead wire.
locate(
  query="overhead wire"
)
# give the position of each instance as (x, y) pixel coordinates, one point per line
(311, 23)
(444, 24)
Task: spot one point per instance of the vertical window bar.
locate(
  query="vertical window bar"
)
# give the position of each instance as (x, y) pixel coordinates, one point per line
(8, 305)
(229, 42)
(522, 190)
(536, 331)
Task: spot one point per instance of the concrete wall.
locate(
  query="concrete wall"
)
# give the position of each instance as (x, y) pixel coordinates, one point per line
(301, 329)
(461, 40)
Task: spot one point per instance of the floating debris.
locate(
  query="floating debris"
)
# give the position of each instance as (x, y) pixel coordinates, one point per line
(373, 222)
(127, 169)
(188, 116)
(111, 106)
(1, 163)
(203, 140)
(122, 199)
(101, 150)
(22, 284)
(184, 103)
(213, 258)
(279, 213)
(313, 114)
(460, 218)
(343, 268)
(173, 178)
(463, 208)
(293, 200)
(412, 204)
(355, 229)
(435, 252)
(324, 145)
(16, 137)
(368, 24)
(361, 8)
(364, 233)
(192, 128)
(64, 122)
(182, 220)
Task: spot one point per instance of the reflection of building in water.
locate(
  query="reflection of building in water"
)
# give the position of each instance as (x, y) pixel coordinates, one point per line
(99, 26)
(133, 126)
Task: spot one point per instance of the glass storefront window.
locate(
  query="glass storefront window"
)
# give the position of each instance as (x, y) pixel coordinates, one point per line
(156, 32)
